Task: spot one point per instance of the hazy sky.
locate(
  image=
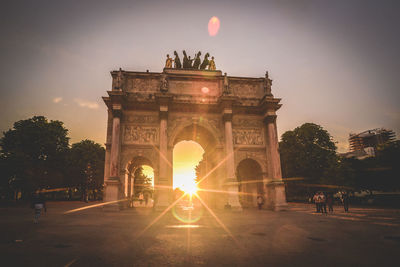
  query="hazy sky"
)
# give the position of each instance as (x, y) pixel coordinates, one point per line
(334, 63)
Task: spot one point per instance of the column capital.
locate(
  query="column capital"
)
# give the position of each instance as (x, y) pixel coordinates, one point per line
(227, 101)
(270, 118)
(163, 113)
(116, 110)
(227, 114)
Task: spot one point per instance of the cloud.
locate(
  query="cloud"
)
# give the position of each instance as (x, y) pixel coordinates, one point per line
(86, 104)
(57, 99)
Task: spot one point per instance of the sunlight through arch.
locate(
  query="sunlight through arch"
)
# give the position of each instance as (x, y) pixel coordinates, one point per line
(186, 156)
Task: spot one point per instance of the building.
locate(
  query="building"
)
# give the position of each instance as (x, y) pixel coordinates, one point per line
(232, 118)
(364, 144)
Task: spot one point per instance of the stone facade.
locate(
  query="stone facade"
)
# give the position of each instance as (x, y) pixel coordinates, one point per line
(232, 118)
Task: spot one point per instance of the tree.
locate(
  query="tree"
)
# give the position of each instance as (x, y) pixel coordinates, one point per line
(33, 152)
(86, 166)
(308, 151)
(381, 172)
(142, 183)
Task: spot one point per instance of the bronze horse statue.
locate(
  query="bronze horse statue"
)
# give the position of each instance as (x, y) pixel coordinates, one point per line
(204, 65)
(178, 64)
(197, 61)
(186, 62)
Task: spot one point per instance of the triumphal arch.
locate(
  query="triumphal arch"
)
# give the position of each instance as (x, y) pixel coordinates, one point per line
(232, 118)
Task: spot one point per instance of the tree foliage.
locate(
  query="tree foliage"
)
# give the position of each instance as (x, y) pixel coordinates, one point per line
(307, 151)
(86, 165)
(33, 152)
(142, 182)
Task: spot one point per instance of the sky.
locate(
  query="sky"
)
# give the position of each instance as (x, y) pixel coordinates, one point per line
(334, 63)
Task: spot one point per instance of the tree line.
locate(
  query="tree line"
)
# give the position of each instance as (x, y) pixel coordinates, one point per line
(36, 155)
(310, 162)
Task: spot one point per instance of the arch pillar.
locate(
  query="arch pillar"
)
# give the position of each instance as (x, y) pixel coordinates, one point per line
(163, 183)
(231, 181)
(113, 184)
(275, 188)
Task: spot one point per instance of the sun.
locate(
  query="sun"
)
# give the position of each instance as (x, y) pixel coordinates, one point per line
(186, 156)
(189, 188)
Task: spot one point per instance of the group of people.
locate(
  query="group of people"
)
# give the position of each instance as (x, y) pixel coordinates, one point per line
(322, 199)
(189, 63)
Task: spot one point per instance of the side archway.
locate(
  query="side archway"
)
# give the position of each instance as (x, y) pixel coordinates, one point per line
(129, 182)
(250, 182)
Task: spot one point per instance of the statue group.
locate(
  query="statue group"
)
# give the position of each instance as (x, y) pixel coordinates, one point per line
(189, 63)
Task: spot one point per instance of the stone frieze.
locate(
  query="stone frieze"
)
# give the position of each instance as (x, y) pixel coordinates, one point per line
(134, 134)
(248, 137)
(143, 85)
(143, 119)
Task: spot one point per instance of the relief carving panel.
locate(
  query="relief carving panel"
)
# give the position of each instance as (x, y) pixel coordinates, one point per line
(247, 122)
(143, 119)
(247, 89)
(142, 85)
(193, 87)
(134, 134)
(248, 137)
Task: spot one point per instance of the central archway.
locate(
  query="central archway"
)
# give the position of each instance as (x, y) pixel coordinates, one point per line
(207, 157)
(186, 157)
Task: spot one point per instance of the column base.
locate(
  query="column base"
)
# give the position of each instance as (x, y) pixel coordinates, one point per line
(233, 196)
(276, 198)
(112, 192)
(162, 199)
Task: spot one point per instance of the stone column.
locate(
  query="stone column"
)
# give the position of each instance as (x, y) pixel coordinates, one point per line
(231, 181)
(163, 181)
(113, 183)
(276, 198)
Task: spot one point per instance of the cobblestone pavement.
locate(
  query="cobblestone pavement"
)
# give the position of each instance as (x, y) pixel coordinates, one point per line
(295, 237)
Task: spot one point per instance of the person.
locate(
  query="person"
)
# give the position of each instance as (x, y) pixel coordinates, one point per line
(141, 198)
(168, 62)
(260, 202)
(190, 63)
(323, 202)
(316, 201)
(345, 200)
(146, 198)
(329, 201)
(38, 204)
(211, 64)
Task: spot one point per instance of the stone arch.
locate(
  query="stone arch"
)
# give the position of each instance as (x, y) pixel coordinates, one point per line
(209, 141)
(202, 124)
(250, 182)
(129, 170)
(259, 157)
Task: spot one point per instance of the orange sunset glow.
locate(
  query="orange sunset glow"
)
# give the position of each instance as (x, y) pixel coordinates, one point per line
(186, 156)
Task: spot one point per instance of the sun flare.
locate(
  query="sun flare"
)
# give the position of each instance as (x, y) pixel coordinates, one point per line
(186, 156)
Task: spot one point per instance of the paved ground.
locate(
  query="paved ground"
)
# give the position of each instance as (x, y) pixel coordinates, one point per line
(296, 237)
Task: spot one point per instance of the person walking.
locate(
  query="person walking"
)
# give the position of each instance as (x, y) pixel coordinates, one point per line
(329, 201)
(38, 204)
(345, 200)
(260, 202)
(323, 202)
(316, 201)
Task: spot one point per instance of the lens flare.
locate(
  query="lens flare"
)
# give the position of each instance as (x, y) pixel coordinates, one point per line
(213, 26)
(205, 90)
(189, 188)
